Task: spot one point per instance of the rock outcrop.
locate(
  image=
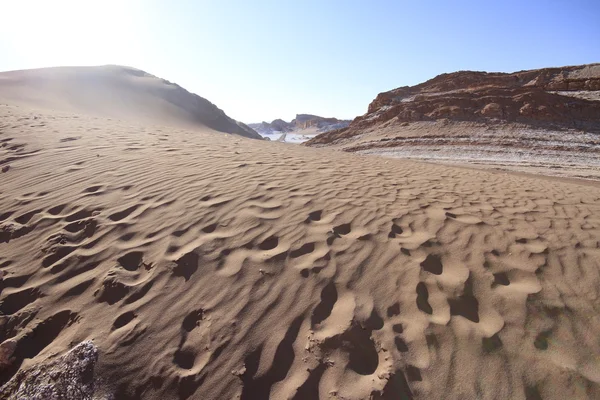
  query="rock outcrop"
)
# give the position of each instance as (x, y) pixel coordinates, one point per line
(69, 377)
(557, 98)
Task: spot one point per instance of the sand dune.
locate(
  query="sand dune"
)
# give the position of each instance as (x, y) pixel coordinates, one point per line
(117, 92)
(209, 266)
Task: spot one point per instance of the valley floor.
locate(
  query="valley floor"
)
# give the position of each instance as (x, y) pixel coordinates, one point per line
(508, 147)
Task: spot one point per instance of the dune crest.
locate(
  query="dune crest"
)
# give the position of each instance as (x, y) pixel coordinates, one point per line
(117, 92)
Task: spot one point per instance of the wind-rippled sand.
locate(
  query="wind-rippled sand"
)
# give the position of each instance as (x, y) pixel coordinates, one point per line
(210, 266)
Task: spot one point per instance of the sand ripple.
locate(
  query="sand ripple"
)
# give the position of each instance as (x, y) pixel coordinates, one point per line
(216, 267)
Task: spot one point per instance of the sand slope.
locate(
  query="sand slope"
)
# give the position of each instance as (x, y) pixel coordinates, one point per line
(117, 92)
(209, 266)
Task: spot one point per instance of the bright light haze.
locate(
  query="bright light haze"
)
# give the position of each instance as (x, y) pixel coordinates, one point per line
(261, 60)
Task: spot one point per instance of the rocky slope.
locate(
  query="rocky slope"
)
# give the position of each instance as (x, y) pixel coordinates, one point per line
(118, 92)
(301, 123)
(486, 114)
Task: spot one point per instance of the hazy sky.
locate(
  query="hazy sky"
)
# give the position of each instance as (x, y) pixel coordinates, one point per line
(260, 60)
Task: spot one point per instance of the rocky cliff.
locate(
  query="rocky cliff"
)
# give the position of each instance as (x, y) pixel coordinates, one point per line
(545, 118)
(561, 98)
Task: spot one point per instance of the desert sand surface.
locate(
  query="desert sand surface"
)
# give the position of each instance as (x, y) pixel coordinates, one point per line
(211, 266)
(162, 260)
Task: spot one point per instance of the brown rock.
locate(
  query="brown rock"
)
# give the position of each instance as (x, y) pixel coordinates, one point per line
(492, 110)
(527, 110)
(535, 98)
(7, 349)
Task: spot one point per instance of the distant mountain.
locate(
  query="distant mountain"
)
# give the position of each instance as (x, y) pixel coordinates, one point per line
(302, 124)
(117, 92)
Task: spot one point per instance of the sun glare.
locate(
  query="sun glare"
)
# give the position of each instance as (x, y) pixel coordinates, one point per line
(63, 32)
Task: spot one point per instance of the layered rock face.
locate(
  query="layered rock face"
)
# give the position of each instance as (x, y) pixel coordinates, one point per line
(545, 120)
(562, 98)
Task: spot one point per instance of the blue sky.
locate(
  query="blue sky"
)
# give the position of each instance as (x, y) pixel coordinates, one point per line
(260, 60)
